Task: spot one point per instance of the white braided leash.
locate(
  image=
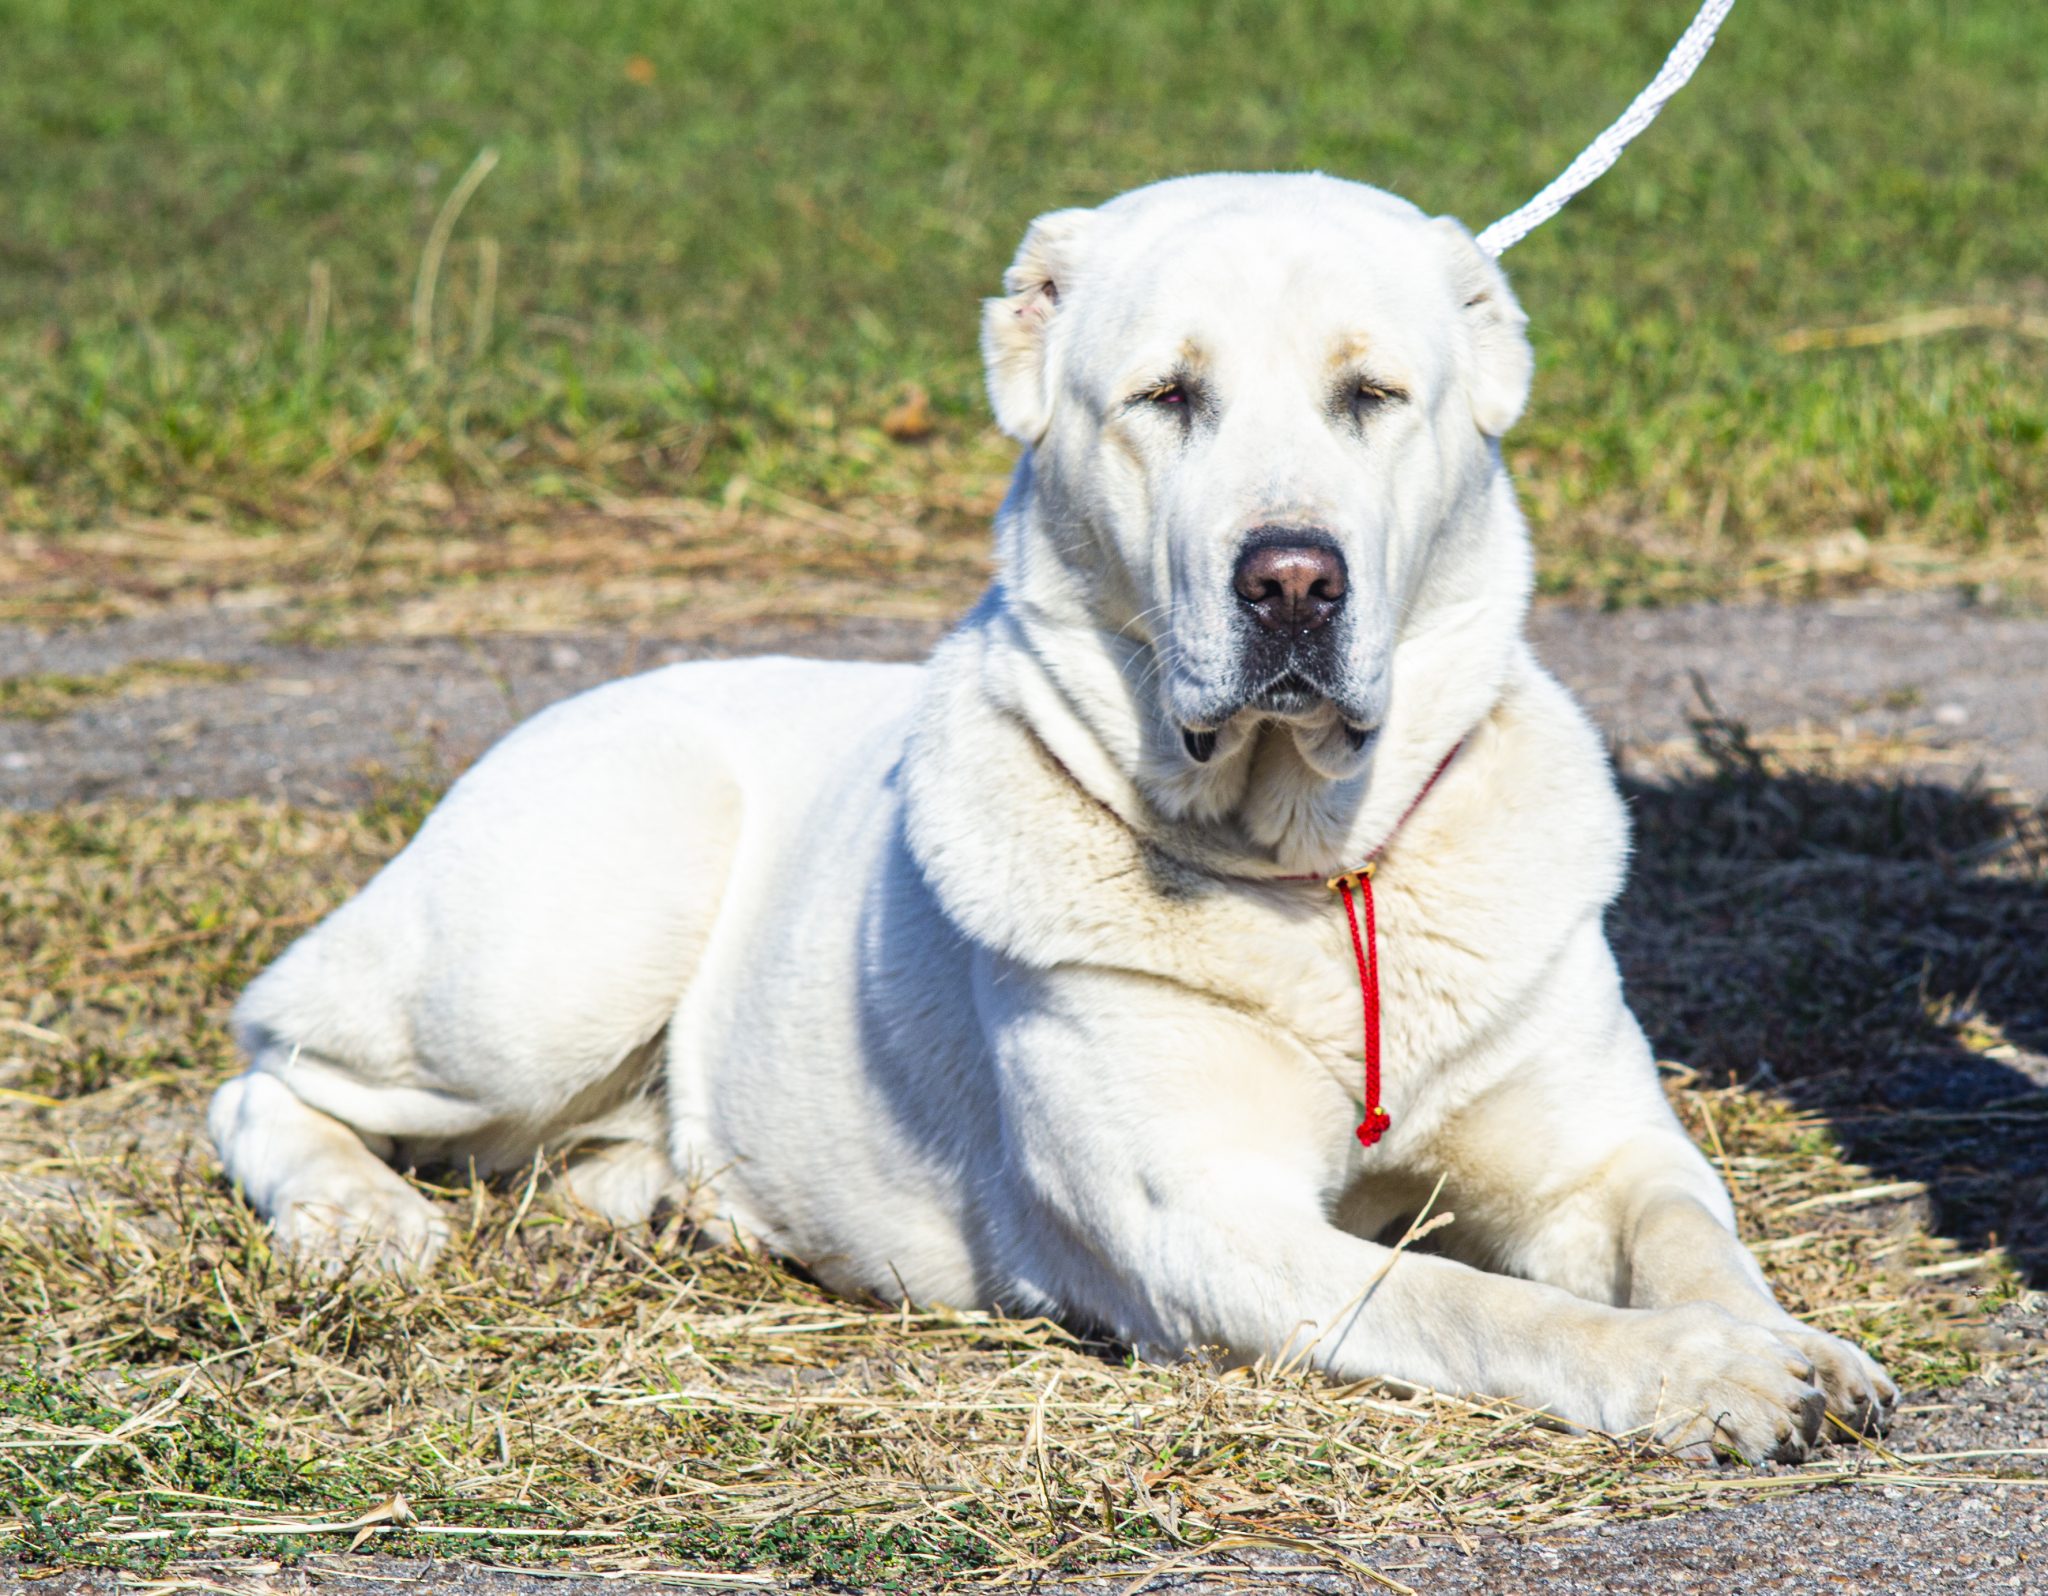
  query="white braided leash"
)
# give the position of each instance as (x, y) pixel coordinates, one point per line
(1604, 151)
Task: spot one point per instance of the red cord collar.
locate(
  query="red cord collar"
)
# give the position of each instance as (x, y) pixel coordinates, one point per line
(1365, 949)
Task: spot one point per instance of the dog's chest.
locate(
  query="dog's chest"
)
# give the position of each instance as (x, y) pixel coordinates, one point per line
(1307, 983)
(1285, 954)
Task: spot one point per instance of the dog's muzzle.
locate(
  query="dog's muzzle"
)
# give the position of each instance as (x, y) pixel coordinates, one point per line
(1291, 585)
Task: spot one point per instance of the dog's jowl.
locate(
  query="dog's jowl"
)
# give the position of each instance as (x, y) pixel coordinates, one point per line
(1012, 979)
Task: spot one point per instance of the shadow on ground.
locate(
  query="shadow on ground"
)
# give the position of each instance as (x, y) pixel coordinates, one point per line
(1875, 946)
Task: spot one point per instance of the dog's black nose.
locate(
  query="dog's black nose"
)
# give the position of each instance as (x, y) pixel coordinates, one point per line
(1291, 585)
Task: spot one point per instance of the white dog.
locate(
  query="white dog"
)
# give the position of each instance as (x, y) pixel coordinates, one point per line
(995, 981)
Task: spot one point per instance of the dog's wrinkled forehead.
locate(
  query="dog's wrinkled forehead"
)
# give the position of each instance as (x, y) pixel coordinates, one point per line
(1272, 273)
(1257, 267)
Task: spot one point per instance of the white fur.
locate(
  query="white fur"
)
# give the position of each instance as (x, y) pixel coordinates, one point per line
(967, 981)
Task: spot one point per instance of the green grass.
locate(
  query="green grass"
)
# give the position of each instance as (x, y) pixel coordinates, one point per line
(725, 238)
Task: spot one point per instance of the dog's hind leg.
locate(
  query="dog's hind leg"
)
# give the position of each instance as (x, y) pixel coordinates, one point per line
(618, 1164)
(623, 1182)
(327, 1190)
(498, 991)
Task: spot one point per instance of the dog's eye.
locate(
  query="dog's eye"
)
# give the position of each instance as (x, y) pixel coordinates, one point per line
(1167, 393)
(1361, 398)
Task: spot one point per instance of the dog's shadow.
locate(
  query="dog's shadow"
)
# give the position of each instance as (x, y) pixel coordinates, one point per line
(1874, 947)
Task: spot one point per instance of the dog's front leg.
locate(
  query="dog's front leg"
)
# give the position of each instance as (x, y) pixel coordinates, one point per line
(1574, 1170)
(1679, 1245)
(1170, 1171)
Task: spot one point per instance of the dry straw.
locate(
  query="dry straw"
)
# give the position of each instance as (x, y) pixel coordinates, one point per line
(558, 1389)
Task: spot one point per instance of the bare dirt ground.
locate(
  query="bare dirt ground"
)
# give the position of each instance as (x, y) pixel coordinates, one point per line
(310, 723)
(1957, 691)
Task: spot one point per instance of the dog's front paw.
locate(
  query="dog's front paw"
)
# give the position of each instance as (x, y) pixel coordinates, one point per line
(1860, 1395)
(383, 1224)
(1709, 1384)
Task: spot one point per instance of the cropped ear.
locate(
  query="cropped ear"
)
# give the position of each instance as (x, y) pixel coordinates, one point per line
(1503, 364)
(1014, 329)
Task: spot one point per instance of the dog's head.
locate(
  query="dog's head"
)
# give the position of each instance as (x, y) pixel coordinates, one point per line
(1262, 415)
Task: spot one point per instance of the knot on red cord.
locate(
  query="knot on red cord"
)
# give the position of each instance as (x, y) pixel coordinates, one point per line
(1377, 1120)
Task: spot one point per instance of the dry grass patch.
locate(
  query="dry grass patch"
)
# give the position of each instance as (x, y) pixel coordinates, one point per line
(557, 1388)
(433, 562)
(417, 558)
